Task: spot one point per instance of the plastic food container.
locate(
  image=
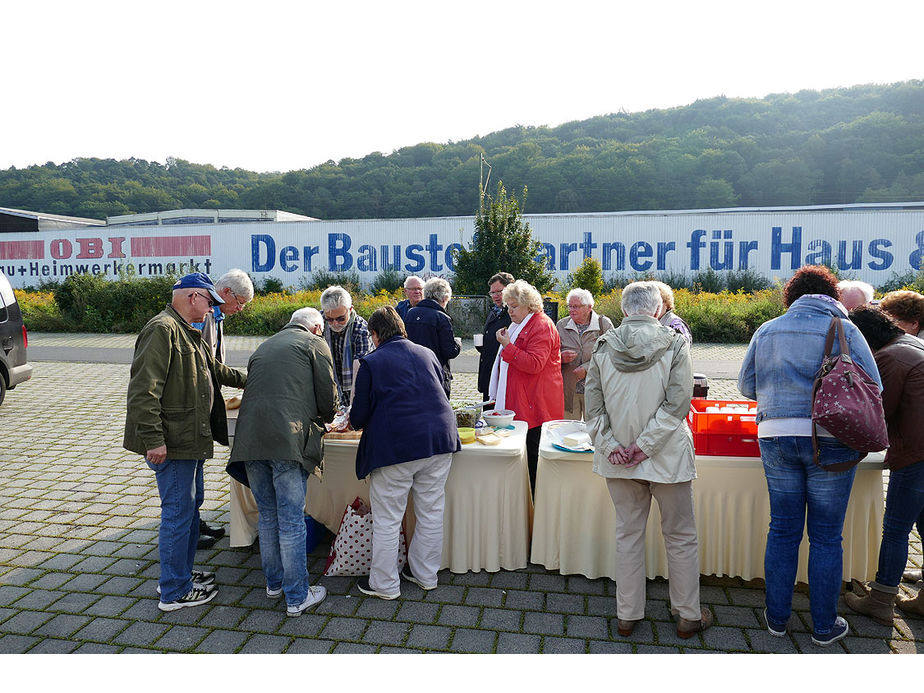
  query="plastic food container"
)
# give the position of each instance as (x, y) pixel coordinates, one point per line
(724, 427)
(499, 417)
(466, 434)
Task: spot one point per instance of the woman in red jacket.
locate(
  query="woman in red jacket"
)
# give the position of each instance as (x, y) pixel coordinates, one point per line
(527, 371)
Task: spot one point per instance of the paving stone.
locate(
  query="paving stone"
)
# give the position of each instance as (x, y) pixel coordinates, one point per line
(510, 580)
(10, 594)
(90, 564)
(96, 648)
(429, 637)
(343, 606)
(120, 585)
(762, 641)
(339, 628)
(453, 615)
(262, 621)
(266, 644)
(62, 626)
(23, 576)
(740, 616)
(743, 597)
(527, 601)
(16, 644)
(386, 633)
(602, 606)
(480, 579)
(484, 596)
(501, 619)
(25, 622)
(548, 624)
(417, 612)
(547, 582)
(856, 645)
(566, 603)
(727, 639)
(38, 599)
(86, 582)
(101, 629)
(471, 640)
(398, 650)
(306, 646)
(446, 594)
(517, 643)
(587, 626)
(584, 585)
(552, 645)
(354, 648)
(110, 606)
(141, 634)
(222, 642)
(306, 625)
(609, 647)
(373, 607)
(181, 638)
(656, 649)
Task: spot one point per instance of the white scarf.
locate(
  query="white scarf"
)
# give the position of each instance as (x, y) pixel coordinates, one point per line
(498, 387)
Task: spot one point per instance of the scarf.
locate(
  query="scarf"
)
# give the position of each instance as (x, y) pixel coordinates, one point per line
(345, 371)
(498, 386)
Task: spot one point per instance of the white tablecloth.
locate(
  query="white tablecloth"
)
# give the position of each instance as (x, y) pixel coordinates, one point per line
(488, 512)
(574, 516)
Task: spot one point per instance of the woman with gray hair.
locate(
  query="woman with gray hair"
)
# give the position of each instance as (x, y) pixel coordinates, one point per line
(639, 387)
(429, 325)
(668, 317)
(527, 370)
(578, 332)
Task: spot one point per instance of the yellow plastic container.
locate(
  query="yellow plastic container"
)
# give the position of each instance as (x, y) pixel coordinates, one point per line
(466, 435)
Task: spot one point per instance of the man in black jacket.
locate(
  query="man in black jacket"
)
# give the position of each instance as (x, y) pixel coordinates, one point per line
(497, 318)
(429, 325)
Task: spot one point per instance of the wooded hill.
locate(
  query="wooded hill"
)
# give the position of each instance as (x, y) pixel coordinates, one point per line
(837, 146)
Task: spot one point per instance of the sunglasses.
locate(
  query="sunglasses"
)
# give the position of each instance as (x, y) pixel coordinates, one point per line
(342, 318)
(206, 297)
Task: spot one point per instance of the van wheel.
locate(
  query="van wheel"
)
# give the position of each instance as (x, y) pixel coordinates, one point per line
(2, 388)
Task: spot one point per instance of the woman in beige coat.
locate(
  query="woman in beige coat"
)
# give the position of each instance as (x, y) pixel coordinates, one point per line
(578, 332)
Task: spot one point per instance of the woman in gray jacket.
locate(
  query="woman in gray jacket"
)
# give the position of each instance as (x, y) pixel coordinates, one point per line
(578, 332)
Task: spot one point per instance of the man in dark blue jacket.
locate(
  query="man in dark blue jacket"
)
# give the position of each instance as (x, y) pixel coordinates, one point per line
(429, 325)
(409, 436)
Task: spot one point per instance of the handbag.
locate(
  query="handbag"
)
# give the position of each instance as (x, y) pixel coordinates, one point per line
(847, 403)
(351, 550)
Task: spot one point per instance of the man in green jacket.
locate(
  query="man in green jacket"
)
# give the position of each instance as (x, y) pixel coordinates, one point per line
(290, 394)
(175, 409)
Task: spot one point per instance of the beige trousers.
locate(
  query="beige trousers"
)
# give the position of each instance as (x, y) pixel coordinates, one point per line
(632, 500)
(576, 413)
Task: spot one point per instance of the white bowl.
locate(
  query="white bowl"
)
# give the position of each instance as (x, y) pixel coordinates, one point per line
(499, 417)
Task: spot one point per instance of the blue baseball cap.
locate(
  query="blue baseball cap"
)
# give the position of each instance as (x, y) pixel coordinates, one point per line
(198, 280)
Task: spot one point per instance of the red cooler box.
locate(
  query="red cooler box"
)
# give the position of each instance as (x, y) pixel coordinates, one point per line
(730, 433)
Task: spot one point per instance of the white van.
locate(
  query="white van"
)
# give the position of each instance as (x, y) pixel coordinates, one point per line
(13, 341)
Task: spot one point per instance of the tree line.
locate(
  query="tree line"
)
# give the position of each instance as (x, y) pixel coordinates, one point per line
(835, 146)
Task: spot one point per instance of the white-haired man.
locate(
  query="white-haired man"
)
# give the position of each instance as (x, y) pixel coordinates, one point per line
(236, 290)
(854, 294)
(413, 294)
(639, 387)
(347, 335)
(578, 332)
(290, 395)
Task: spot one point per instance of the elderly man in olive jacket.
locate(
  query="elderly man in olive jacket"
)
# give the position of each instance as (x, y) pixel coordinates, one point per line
(290, 394)
(175, 409)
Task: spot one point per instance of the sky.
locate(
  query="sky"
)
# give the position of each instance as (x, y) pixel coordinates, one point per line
(279, 86)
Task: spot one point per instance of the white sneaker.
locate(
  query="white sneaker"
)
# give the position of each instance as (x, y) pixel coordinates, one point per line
(316, 595)
(194, 597)
(273, 594)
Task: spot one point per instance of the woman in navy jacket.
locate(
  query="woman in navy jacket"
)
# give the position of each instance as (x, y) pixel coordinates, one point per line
(429, 325)
(409, 435)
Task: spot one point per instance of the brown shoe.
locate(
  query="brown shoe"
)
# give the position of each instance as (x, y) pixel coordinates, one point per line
(913, 606)
(873, 600)
(625, 628)
(912, 576)
(687, 629)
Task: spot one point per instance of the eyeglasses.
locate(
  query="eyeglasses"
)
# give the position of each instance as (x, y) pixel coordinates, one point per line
(414, 288)
(206, 297)
(240, 303)
(342, 318)
(496, 293)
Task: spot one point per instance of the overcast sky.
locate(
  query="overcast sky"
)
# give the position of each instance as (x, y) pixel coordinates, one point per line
(276, 86)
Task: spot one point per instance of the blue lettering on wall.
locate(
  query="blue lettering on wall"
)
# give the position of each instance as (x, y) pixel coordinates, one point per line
(547, 253)
(608, 250)
(728, 260)
(794, 248)
(744, 249)
(638, 254)
(309, 251)
(915, 258)
(821, 254)
(588, 244)
(663, 250)
(566, 250)
(695, 245)
(339, 258)
(366, 260)
(391, 262)
(288, 258)
(415, 253)
(856, 256)
(258, 242)
(450, 257)
(434, 248)
(884, 256)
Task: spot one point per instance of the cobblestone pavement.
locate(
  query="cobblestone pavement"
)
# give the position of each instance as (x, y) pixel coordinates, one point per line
(78, 563)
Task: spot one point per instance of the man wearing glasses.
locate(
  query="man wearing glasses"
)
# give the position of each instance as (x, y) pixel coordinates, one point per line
(236, 290)
(174, 412)
(347, 335)
(497, 318)
(413, 292)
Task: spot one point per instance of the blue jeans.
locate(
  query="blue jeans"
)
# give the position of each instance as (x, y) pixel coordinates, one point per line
(181, 488)
(904, 507)
(278, 486)
(797, 484)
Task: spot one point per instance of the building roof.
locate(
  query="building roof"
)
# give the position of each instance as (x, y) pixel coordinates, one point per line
(18, 220)
(204, 216)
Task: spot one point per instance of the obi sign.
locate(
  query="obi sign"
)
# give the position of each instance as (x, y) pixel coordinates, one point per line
(872, 243)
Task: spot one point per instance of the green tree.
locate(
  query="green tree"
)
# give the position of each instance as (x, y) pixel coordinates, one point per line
(588, 276)
(503, 242)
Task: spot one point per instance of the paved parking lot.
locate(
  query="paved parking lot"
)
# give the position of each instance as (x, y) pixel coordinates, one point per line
(78, 562)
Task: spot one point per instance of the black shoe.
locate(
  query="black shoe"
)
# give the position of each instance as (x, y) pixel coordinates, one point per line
(206, 542)
(217, 532)
(406, 574)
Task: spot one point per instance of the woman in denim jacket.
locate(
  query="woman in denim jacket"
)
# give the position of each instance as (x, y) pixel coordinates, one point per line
(779, 372)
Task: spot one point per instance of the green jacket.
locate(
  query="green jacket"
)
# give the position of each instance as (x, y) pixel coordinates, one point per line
(290, 394)
(169, 392)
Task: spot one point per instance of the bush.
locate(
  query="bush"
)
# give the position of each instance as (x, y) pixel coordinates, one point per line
(389, 280)
(749, 281)
(93, 304)
(272, 285)
(588, 276)
(709, 281)
(321, 279)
